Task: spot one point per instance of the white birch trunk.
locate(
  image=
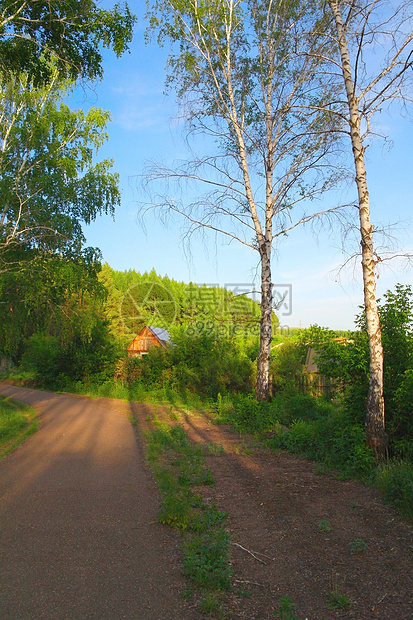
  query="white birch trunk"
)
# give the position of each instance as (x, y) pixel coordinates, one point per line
(262, 389)
(375, 420)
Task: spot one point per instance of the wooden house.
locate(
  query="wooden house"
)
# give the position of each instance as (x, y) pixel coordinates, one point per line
(148, 337)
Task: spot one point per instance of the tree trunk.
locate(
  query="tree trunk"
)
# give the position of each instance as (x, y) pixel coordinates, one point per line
(375, 419)
(262, 388)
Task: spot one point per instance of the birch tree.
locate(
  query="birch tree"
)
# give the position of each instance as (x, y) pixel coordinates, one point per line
(259, 106)
(372, 43)
(50, 183)
(71, 32)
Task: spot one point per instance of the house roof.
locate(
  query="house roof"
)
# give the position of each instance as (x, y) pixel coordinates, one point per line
(161, 334)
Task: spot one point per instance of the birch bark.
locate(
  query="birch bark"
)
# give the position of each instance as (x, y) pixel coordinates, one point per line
(375, 419)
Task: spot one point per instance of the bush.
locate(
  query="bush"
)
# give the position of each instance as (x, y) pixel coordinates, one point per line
(202, 364)
(348, 362)
(395, 481)
(42, 357)
(305, 425)
(287, 364)
(57, 363)
(333, 440)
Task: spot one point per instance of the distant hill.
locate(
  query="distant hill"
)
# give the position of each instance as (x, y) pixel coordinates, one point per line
(135, 299)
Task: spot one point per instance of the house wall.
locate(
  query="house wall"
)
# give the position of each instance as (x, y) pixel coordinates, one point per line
(142, 343)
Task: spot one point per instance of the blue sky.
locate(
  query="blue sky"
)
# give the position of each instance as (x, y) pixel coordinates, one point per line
(144, 128)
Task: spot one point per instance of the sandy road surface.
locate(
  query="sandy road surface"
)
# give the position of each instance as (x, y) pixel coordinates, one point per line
(78, 530)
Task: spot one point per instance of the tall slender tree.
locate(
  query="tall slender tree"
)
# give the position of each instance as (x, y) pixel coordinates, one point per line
(241, 83)
(371, 53)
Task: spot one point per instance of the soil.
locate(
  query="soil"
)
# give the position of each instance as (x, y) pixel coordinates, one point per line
(300, 534)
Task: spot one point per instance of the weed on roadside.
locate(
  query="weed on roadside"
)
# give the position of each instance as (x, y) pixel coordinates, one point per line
(286, 609)
(179, 469)
(358, 544)
(336, 598)
(324, 526)
(17, 422)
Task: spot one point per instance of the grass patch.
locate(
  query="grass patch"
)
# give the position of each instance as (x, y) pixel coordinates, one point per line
(325, 433)
(324, 526)
(179, 469)
(394, 480)
(286, 609)
(17, 421)
(138, 392)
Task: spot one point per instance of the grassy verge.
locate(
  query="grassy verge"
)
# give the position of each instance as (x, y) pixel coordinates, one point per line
(136, 392)
(122, 390)
(17, 421)
(179, 469)
(325, 433)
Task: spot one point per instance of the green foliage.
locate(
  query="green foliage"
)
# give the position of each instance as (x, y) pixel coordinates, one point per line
(358, 544)
(287, 363)
(338, 600)
(57, 363)
(50, 182)
(42, 357)
(17, 421)
(324, 525)
(348, 362)
(203, 365)
(305, 425)
(51, 318)
(394, 480)
(179, 466)
(286, 610)
(135, 300)
(335, 440)
(70, 32)
(206, 560)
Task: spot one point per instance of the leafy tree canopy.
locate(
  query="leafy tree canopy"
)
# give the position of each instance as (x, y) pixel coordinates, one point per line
(50, 184)
(69, 31)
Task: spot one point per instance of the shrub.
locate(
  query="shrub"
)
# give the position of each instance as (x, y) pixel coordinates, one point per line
(349, 363)
(43, 357)
(287, 363)
(395, 481)
(204, 365)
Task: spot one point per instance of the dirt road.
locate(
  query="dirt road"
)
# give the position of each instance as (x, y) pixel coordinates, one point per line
(79, 537)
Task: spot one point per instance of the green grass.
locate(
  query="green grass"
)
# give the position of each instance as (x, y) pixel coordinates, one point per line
(325, 433)
(17, 421)
(179, 469)
(394, 480)
(338, 600)
(324, 526)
